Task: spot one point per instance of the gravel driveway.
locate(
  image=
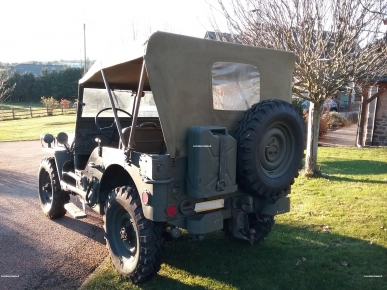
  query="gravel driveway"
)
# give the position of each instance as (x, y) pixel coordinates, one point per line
(35, 252)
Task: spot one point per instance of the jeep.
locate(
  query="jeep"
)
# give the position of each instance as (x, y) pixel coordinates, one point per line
(180, 134)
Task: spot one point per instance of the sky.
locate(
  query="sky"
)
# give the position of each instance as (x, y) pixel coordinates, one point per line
(46, 30)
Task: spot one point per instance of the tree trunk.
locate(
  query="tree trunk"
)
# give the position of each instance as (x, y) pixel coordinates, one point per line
(312, 141)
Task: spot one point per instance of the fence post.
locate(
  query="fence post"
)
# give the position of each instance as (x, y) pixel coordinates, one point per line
(31, 112)
(13, 114)
(47, 110)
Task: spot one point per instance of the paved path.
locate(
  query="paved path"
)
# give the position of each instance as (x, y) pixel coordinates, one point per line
(341, 137)
(35, 252)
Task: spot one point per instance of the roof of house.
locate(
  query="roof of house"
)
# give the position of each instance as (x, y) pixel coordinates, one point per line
(35, 69)
(222, 36)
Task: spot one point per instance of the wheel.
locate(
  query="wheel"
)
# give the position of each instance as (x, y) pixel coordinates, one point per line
(52, 198)
(134, 242)
(270, 148)
(262, 224)
(112, 127)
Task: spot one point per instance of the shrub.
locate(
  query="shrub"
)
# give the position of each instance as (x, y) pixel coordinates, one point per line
(50, 103)
(335, 119)
(353, 117)
(65, 104)
(323, 125)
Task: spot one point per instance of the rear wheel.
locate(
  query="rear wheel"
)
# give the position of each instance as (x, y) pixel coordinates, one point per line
(134, 242)
(52, 198)
(262, 224)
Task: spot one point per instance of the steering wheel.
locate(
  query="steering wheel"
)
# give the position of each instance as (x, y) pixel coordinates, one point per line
(112, 127)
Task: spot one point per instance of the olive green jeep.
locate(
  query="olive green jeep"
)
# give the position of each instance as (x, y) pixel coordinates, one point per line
(182, 133)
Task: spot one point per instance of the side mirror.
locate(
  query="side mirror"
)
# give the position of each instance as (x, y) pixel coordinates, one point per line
(62, 138)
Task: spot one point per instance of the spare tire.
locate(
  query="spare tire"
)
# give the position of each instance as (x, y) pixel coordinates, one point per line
(270, 148)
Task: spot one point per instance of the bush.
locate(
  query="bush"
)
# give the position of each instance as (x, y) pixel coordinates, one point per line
(353, 117)
(65, 104)
(50, 103)
(335, 119)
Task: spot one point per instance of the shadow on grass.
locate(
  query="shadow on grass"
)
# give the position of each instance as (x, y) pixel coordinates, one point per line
(290, 258)
(354, 167)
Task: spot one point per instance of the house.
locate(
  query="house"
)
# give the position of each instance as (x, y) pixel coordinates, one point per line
(222, 36)
(35, 69)
(373, 119)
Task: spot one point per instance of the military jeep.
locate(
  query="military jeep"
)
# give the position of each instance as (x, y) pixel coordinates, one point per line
(180, 134)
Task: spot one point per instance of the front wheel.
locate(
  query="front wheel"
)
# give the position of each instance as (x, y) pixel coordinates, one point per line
(52, 198)
(134, 242)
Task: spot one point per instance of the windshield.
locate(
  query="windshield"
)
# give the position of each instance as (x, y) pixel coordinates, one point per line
(97, 99)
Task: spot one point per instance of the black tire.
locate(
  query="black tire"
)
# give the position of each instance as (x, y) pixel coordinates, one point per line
(270, 148)
(52, 198)
(134, 242)
(262, 224)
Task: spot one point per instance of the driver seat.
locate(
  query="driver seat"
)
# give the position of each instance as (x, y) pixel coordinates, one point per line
(148, 139)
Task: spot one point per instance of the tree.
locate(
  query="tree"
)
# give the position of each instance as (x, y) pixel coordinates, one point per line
(335, 41)
(5, 88)
(23, 86)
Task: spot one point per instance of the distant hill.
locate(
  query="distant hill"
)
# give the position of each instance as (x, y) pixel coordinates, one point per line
(35, 69)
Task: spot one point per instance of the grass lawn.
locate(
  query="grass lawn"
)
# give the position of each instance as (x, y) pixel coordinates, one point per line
(30, 129)
(334, 237)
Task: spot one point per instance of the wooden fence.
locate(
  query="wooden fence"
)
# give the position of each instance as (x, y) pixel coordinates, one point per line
(30, 112)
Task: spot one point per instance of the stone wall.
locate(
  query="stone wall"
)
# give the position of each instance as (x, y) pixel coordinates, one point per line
(379, 137)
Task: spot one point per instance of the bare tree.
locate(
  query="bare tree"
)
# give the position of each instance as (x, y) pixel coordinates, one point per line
(336, 41)
(5, 89)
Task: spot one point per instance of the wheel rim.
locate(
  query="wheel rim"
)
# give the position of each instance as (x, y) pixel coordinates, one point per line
(45, 189)
(275, 150)
(124, 237)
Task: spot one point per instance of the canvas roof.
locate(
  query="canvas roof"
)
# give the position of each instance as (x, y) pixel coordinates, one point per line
(179, 72)
(122, 69)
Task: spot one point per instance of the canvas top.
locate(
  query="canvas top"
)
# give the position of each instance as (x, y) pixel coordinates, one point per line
(198, 81)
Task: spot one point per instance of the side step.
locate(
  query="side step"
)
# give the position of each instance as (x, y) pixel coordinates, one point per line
(75, 211)
(72, 175)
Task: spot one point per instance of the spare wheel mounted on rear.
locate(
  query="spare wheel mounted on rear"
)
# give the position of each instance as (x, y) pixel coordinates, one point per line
(270, 148)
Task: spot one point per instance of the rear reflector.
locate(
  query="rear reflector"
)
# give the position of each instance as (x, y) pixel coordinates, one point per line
(171, 210)
(145, 197)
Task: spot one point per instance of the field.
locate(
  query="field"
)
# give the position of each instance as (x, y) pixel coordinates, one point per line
(17, 111)
(333, 238)
(32, 128)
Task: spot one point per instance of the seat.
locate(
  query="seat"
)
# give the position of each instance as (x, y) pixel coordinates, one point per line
(148, 138)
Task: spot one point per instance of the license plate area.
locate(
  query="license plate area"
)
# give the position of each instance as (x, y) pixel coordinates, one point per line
(209, 205)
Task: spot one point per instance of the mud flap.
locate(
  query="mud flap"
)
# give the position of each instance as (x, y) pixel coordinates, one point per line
(205, 223)
(282, 205)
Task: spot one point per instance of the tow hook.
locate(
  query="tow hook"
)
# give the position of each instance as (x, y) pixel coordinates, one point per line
(250, 235)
